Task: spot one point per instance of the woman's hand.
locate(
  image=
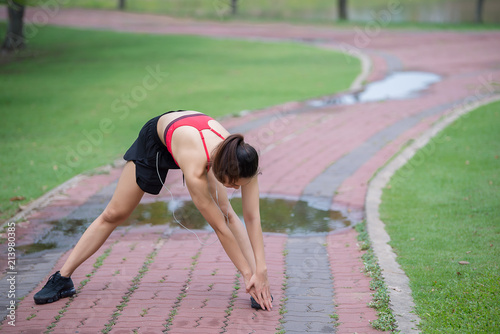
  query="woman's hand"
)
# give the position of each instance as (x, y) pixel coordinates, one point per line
(258, 288)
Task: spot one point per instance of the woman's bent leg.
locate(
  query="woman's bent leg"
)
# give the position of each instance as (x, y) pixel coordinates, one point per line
(125, 199)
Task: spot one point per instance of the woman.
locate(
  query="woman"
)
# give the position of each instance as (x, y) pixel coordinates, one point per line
(210, 159)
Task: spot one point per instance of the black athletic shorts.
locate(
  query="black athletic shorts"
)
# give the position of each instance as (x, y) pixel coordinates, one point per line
(146, 152)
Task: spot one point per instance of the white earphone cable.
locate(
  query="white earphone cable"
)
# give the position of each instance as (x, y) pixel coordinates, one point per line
(226, 216)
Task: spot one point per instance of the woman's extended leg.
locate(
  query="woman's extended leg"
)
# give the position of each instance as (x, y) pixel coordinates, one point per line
(125, 199)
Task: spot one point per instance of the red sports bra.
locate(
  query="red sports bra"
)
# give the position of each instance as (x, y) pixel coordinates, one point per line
(198, 121)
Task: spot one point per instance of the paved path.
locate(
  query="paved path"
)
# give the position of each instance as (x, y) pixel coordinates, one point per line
(154, 279)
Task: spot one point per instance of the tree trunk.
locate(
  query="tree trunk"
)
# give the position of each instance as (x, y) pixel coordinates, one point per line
(342, 4)
(234, 7)
(479, 11)
(14, 39)
(121, 4)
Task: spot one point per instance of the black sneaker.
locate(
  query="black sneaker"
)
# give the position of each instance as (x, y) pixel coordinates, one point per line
(256, 305)
(56, 287)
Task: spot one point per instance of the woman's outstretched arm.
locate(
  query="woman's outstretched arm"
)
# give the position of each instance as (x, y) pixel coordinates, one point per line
(200, 194)
(251, 214)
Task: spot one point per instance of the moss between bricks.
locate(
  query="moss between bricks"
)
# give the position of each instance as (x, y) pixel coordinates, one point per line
(182, 293)
(133, 286)
(380, 302)
(282, 311)
(98, 263)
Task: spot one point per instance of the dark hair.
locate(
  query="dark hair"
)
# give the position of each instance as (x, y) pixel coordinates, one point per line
(234, 159)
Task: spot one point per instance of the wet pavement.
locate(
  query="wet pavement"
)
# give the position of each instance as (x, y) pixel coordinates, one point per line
(396, 86)
(153, 278)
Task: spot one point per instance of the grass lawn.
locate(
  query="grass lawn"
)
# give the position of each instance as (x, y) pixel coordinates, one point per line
(76, 99)
(445, 211)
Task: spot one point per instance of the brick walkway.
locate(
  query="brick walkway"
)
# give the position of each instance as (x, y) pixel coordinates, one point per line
(154, 279)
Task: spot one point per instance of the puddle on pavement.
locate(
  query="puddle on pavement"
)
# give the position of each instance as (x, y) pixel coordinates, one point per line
(63, 233)
(277, 215)
(397, 86)
(36, 247)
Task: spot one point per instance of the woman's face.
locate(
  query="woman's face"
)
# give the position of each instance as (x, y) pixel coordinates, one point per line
(240, 182)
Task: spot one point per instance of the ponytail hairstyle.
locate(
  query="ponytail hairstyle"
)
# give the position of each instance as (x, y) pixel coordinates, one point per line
(234, 159)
